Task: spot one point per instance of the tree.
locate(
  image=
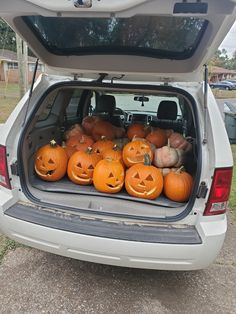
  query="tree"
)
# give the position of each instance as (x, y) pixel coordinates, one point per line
(7, 37)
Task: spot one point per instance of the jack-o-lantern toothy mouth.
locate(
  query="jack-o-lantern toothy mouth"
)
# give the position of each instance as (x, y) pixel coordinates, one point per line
(50, 172)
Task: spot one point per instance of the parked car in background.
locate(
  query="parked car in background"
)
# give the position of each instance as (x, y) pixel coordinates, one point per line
(222, 85)
(233, 82)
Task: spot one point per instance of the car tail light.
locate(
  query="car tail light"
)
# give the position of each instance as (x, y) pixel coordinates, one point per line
(4, 177)
(220, 190)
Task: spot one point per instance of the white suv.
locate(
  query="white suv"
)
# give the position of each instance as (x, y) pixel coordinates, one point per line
(141, 54)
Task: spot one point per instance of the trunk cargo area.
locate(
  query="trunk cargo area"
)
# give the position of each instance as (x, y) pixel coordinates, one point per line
(67, 104)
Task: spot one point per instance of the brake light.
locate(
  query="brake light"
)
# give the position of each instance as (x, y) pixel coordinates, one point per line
(220, 190)
(4, 177)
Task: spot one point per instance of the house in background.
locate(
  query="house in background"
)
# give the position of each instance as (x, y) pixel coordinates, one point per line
(219, 74)
(9, 67)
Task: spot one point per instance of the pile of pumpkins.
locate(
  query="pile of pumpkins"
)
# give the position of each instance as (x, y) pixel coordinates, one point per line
(147, 161)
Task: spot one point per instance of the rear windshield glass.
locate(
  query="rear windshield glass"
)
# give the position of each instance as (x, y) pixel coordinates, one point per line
(154, 36)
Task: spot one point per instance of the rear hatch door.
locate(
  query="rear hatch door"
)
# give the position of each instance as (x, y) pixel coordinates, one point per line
(143, 40)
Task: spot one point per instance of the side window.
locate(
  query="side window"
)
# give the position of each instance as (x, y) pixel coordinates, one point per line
(72, 108)
(48, 107)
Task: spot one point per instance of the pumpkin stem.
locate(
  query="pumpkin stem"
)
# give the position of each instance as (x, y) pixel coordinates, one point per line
(89, 150)
(63, 144)
(53, 143)
(116, 147)
(82, 140)
(103, 137)
(147, 160)
(168, 142)
(180, 169)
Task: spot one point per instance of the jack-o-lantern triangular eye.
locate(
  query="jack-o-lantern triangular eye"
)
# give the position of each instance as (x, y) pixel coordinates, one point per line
(137, 176)
(40, 158)
(91, 167)
(79, 165)
(149, 178)
(111, 175)
(131, 148)
(51, 161)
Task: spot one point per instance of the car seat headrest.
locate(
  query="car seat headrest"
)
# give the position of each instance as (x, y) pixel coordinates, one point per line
(167, 110)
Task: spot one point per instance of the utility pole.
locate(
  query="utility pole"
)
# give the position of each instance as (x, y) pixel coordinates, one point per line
(22, 56)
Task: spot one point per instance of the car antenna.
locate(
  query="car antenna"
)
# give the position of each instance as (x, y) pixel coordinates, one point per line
(31, 89)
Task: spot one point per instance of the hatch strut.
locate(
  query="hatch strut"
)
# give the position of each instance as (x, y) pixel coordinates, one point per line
(31, 89)
(205, 102)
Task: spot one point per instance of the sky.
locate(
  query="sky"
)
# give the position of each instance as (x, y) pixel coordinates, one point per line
(229, 43)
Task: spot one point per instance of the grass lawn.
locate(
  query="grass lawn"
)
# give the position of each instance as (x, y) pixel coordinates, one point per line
(218, 93)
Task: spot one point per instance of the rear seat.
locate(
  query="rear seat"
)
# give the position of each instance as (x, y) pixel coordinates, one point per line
(167, 116)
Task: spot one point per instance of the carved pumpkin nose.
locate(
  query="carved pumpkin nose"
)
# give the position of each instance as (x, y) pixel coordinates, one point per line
(142, 183)
(138, 152)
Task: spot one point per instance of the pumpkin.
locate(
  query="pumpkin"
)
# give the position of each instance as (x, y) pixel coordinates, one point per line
(169, 132)
(73, 141)
(88, 123)
(121, 142)
(76, 130)
(181, 157)
(113, 153)
(157, 137)
(144, 180)
(134, 152)
(167, 156)
(136, 129)
(119, 132)
(165, 171)
(102, 145)
(70, 150)
(108, 176)
(178, 185)
(85, 142)
(103, 128)
(178, 141)
(51, 162)
(81, 166)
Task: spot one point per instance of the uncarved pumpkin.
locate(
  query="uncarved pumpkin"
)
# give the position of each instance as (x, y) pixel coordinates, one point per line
(177, 140)
(88, 123)
(103, 128)
(143, 180)
(136, 129)
(157, 137)
(51, 162)
(76, 130)
(178, 185)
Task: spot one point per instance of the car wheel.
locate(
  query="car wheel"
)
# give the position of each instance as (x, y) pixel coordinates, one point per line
(227, 88)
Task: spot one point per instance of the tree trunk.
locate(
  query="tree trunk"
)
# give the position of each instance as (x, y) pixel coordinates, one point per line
(22, 65)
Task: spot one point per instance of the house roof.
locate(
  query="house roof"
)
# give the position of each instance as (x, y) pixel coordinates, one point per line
(219, 70)
(11, 56)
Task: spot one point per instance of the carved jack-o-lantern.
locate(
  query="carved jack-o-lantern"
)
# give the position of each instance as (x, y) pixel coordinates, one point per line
(144, 180)
(81, 166)
(51, 162)
(108, 176)
(133, 152)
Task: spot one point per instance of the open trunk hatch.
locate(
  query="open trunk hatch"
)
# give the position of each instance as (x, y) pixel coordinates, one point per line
(143, 40)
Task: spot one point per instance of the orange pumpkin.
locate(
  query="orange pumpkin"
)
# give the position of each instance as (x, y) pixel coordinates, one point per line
(70, 150)
(102, 145)
(81, 166)
(73, 141)
(178, 185)
(76, 130)
(178, 141)
(108, 176)
(165, 171)
(88, 123)
(136, 129)
(143, 180)
(119, 132)
(85, 142)
(133, 152)
(157, 137)
(113, 153)
(51, 162)
(103, 128)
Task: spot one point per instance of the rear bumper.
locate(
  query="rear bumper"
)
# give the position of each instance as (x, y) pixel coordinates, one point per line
(128, 253)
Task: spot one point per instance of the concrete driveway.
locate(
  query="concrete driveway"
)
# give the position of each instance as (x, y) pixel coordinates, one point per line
(32, 281)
